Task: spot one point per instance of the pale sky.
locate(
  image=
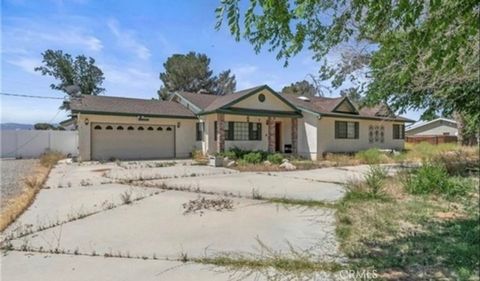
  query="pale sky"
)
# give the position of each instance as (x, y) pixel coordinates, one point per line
(130, 41)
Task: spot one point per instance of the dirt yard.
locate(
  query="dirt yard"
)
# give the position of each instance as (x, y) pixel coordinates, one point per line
(13, 173)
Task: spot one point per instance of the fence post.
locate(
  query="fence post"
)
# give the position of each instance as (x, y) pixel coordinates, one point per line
(49, 140)
(16, 143)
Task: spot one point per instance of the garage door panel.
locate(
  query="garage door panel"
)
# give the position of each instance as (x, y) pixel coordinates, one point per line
(132, 143)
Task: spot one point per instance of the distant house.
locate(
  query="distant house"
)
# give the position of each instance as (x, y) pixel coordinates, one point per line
(68, 124)
(440, 130)
(254, 119)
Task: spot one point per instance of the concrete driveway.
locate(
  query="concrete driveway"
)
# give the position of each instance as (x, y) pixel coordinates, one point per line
(122, 221)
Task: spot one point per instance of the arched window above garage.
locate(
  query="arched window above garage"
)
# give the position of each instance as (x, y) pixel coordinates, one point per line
(140, 128)
(119, 128)
(130, 128)
(169, 129)
(109, 128)
(150, 129)
(98, 127)
(159, 129)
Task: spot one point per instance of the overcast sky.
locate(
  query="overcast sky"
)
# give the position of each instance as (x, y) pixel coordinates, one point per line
(130, 41)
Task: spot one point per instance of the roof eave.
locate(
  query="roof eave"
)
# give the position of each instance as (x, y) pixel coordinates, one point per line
(133, 114)
(251, 112)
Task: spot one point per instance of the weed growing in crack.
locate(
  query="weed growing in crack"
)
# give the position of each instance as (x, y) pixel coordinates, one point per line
(126, 197)
(256, 194)
(201, 203)
(84, 182)
(184, 257)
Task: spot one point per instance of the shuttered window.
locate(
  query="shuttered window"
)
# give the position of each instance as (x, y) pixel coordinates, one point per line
(346, 130)
(398, 132)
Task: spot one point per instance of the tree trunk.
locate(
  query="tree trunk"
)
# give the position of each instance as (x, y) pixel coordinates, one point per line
(460, 127)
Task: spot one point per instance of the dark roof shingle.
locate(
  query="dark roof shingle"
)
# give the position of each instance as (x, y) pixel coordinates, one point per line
(129, 106)
(326, 106)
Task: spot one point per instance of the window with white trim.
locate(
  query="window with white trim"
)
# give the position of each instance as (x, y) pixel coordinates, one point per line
(346, 130)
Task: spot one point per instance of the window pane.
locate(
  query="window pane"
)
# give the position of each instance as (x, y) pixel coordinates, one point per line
(240, 131)
(351, 130)
(342, 129)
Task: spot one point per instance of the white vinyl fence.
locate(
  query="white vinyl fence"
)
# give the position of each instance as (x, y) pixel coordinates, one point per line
(32, 143)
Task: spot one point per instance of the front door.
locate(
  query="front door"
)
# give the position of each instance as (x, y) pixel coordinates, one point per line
(278, 133)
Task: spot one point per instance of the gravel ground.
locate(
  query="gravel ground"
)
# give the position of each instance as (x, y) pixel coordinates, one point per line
(12, 173)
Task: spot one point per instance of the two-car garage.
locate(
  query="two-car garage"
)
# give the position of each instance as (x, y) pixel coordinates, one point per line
(132, 129)
(131, 141)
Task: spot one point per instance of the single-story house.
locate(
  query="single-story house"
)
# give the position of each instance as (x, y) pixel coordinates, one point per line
(436, 127)
(437, 131)
(254, 119)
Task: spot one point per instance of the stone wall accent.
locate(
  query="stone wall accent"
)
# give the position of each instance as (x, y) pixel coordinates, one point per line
(220, 132)
(271, 134)
(294, 135)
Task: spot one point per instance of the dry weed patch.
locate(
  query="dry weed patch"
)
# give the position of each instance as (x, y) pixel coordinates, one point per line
(32, 184)
(201, 204)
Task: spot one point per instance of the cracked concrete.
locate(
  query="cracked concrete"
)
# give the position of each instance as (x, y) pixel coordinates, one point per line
(267, 186)
(20, 266)
(157, 226)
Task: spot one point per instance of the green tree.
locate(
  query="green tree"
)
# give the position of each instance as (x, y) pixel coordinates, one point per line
(419, 54)
(163, 93)
(352, 94)
(225, 83)
(301, 88)
(81, 72)
(191, 73)
(47, 126)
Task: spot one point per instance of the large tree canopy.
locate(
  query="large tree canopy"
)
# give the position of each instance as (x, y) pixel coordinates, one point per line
(301, 88)
(81, 72)
(420, 54)
(192, 73)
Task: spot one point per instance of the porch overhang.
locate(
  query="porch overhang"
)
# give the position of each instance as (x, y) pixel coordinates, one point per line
(256, 112)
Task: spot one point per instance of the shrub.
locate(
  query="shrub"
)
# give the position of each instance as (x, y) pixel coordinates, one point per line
(375, 180)
(433, 178)
(275, 158)
(371, 156)
(458, 162)
(197, 155)
(253, 157)
(230, 154)
(426, 179)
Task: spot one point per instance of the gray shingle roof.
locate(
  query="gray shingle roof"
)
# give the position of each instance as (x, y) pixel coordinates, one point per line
(129, 106)
(326, 106)
(208, 102)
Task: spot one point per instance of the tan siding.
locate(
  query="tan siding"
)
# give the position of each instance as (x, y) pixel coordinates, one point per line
(185, 135)
(328, 143)
(271, 102)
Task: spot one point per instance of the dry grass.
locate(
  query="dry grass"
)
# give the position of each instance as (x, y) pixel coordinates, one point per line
(415, 236)
(51, 158)
(32, 185)
(341, 159)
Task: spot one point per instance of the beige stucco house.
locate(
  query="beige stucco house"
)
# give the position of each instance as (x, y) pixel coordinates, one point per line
(252, 119)
(436, 127)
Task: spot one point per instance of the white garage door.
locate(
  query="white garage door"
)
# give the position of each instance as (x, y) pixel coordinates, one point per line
(129, 142)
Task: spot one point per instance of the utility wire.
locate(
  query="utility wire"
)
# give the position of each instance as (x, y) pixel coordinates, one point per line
(29, 96)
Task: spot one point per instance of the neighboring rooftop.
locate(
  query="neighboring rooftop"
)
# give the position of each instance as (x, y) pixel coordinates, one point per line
(424, 123)
(128, 106)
